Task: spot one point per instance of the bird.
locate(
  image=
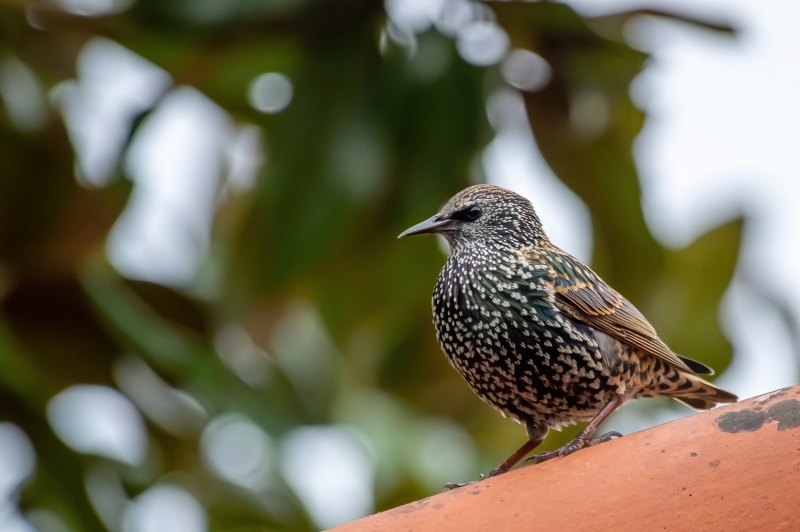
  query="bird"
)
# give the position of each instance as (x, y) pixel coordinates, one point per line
(537, 334)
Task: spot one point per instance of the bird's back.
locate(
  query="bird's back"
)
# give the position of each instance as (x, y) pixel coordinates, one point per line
(583, 296)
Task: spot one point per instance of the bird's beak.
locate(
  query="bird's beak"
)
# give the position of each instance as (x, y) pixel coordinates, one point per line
(433, 224)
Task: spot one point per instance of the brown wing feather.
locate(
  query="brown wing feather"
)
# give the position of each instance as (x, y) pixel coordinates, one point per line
(582, 295)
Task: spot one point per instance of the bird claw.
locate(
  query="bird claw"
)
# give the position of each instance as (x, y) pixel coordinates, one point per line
(453, 485)
(544, 457)
(531, 458)
(572, 446)
(608, 436)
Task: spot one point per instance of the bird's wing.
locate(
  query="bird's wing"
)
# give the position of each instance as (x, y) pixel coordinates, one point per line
(582, 295)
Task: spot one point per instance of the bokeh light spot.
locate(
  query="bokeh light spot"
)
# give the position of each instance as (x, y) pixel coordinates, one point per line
(173, 409)
(444, 451)
(21, 94)
(329, 470)
(17, 459)
(165, 508)
(305, 353)
(482, 43)
(12, 521)
(46, 521)
(414, 15)
(526, 70)
(107, 494)
(242, 356)
(238, 450)
(99, 420)
(113, 87)
(93, 8)
(589, 112)
(456, 14)
(270, 93)
(175, 160)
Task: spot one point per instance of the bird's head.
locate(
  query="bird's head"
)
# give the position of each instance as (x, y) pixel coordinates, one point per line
(484, 215)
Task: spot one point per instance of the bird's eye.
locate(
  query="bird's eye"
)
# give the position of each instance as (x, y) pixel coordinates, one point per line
(470, 214)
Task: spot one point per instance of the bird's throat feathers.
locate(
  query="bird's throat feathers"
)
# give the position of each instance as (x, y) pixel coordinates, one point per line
(497, 285)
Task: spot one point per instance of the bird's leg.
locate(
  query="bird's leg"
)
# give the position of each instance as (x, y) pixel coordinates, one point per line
(584, 438)
(527, 447)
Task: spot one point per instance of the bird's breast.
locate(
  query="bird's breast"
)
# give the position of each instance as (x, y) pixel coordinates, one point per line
(498, 326)
(483, 309)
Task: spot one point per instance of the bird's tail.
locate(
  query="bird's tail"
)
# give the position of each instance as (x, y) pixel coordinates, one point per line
(692, 390)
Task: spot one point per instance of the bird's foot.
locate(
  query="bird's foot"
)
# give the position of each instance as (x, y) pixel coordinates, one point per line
(572, 446)
(453, 485)
(608, 436)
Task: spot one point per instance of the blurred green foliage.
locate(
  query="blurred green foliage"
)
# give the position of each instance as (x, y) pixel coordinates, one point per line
(307, 263)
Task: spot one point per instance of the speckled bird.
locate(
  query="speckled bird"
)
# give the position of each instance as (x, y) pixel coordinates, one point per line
(537, 334)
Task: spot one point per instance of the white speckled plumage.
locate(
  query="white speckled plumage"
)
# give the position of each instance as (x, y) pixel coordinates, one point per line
(535, 333)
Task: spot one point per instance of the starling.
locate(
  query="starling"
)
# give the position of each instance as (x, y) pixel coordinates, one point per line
(537, 334)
